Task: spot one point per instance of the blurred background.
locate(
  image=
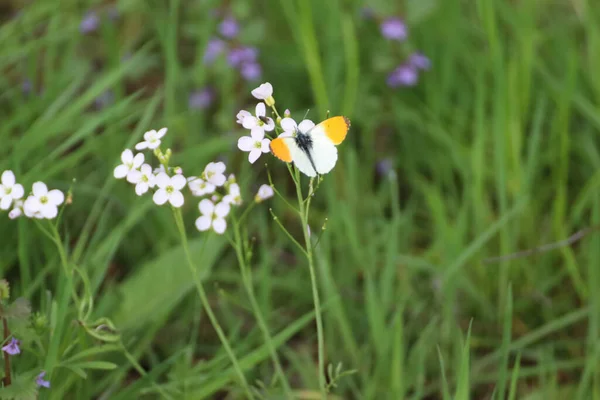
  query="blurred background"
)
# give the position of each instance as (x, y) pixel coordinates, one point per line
(475, 133)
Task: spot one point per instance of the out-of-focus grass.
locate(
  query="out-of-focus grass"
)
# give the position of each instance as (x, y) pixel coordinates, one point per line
(495, 150)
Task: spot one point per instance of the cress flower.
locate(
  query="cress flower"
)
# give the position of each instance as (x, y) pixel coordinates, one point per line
(264, 192)
(214, 173)
(12, 347)
(199, 187)
(260, 122)
(10, 190)
(213, 216)
(169, 189)
(290, 127)
(151, 139)
(255, 144)
(241, 115)
(130, 163)
(264, 92)
(17, 210)
(233, 196)
(143, 179)
(43, 203)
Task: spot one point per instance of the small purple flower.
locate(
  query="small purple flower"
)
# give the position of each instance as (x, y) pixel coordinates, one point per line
(213, 49)
(419, 61)
(229, 28)
(89, 23)
(251, 71)
(201, 99)
(384, 167)
(394, 29)
(104, 100)
(404, 75)
(241, 55)
(13, 347)
(40, 380)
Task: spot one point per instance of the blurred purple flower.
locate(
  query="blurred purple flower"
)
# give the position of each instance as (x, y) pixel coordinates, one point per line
(40, 380)
(251, 71)
(104, 100)
(89, 23)
(26, 86)
(201, 99)
(229, 28)
(242, 55)
(12, 348)
(404, 75)
(393, 28)
(419, 61)
(384, 167)
(213, 49)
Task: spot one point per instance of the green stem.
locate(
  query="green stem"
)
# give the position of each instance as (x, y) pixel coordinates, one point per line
(136, 365)
(247, 279)
(304, 207)
(206, 303)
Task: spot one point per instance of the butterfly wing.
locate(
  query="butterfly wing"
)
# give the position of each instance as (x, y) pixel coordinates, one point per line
(286, 149)
(334, 128)
(324, 153)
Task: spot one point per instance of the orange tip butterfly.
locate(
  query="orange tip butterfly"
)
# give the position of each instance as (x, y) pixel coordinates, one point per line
(313, 152)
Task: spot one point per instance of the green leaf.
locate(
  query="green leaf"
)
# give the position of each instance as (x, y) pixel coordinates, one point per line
(22, 387)
(103, 365)
(20, 308)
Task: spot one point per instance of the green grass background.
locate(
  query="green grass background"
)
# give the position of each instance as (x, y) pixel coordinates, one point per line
(497, 149)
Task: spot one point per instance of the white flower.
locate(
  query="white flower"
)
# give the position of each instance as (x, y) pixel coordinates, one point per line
(17, 210)
(290, 128)
(151, 139)
(43, 201)
(199, 187)
(255, 144)
(212, 216)
(259, 123)
(169, 189)
(214, 173)
(264, 192)
(241, 115)
(9, 190)
(234, 195)
(143, 179)
(130, 163)
(263, 92)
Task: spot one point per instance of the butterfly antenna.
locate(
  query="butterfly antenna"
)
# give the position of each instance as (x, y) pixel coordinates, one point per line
(307, 111)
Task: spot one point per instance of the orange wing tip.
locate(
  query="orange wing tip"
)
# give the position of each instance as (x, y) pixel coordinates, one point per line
(280, 149)
(336, 128)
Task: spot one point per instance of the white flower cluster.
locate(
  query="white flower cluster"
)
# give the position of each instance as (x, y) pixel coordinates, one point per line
(41, 203)
(256, 144)
(168, 183)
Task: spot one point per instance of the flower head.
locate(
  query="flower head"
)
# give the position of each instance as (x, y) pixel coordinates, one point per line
(169, 189)
(199, 187)
(404, 75)
(10, 190)
(240, 55)
(143, 179)
(419, 61)
(290, 128)
(201, 99)
(151, 139)
(263, 92)
(43, 201)
(241, 115)
(130, 163)
(229, 28)
(213, 49)
(214, 173)
(264, 192)
(251, 71)
(233, 196)
(393, 28)
(259, 123)
(255, 144)
(213, 216)
(12, 347)
(17, 210)
(89, 23)
(40, 381)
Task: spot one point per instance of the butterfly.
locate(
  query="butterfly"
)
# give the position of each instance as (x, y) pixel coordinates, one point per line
(311, 147)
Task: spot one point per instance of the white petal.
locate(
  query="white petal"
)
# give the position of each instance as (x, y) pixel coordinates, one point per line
(206, 207)
(15, 213)
(56, 197)
(17, 191)
(146, 169)
(141, 188)
(121, 171)
(249, 122)
(218, 180)
(203, 223)
(32, 204)
(127, 156)
(161, 132)
(254, 155)
(6, 202)
(134, 176)
(219, 225)
(40, 189)
(153, 144)
(270, 125)
(263, 91)
(241, 115)
(162, 180)
(289, 125)
(261, 110)
(257, 133)
(286, 134)
(8, 178)
(176, 199)
(265, 145)
(245, 143)
(160, 197)
(141, 145)
(306, 125)
(49, 211)
(234, 189)
(265, 192)
(178, 182)
(138, 160)
(222, 209)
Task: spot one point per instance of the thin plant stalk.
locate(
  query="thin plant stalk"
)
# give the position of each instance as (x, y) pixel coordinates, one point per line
(206, 303)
